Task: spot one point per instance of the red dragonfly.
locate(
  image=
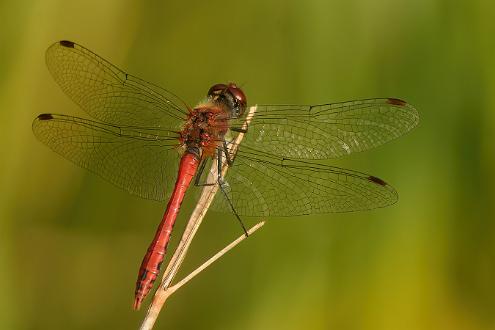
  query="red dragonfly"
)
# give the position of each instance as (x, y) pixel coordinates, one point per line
(142, 138)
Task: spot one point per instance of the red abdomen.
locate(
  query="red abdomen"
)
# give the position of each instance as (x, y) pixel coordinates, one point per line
(150, 266)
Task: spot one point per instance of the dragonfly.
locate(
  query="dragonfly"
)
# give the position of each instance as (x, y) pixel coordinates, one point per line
(148, 141)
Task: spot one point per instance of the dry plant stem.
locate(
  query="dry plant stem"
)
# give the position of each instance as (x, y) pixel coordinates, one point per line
(162, 295)
(195, 220)
(217, 256)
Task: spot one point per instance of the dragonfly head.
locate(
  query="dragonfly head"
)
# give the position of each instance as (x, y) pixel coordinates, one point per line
(231, 96)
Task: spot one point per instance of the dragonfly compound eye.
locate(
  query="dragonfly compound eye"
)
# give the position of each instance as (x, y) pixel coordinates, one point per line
(231, 95)
(240, 101)
(217, 89)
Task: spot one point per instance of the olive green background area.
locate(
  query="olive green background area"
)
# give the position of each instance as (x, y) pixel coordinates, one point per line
(71, 244)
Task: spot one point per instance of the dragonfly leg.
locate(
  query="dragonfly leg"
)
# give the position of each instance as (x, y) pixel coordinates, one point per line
(230, 160)
(221, 184)
(199, 174)
(240, 130)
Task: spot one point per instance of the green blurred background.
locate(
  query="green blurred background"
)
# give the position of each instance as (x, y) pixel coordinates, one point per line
(71, 243)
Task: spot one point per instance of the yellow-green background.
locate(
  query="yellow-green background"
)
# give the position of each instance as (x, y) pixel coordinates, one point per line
(71, 244)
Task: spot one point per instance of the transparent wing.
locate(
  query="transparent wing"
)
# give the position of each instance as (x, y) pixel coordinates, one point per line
(264, 185)
(142, 161)
(109, 94)
(328, 130)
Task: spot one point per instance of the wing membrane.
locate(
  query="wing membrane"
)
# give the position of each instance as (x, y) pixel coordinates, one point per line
(141, 161)
(260, 184)
(109, 94)
(133, 144)
(329, 130)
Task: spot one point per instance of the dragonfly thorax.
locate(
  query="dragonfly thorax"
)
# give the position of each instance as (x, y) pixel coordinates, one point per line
(205, 128)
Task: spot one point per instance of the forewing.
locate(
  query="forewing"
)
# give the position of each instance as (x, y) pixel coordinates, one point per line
(328, 130)
(109, 94)
(263, 185)
(139, 160)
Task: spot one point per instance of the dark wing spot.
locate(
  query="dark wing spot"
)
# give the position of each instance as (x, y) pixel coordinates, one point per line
(396, 102)
(377, 180)
(45, 116)
(67, 43)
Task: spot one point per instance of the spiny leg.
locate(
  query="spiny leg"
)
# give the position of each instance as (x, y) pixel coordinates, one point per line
(199, 174)
(240, 130)
(220, 184)
(230, 161)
